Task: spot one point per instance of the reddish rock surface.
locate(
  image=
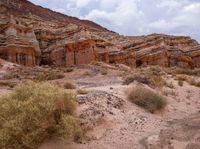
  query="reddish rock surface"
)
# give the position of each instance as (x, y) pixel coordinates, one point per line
(32, 35)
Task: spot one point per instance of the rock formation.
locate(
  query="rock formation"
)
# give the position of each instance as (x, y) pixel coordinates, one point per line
(31, 35)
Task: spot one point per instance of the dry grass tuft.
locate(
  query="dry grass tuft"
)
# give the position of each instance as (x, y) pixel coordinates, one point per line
(149, 79)
(45, 76)
(180, 83)
(82, 91)
(35, 112)
(146, 99)
(104, 71)
(191, 72)
(69, 85)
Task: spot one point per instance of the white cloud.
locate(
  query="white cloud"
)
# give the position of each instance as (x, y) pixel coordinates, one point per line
(133, 17)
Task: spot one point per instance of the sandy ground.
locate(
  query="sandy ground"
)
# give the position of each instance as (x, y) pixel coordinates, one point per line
(127, 127)
(119, 124)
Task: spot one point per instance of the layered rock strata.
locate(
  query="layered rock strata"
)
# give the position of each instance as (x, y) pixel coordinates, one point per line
(31, 35)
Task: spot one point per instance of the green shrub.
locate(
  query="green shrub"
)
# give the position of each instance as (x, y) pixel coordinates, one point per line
(35, 112)
(146, 99)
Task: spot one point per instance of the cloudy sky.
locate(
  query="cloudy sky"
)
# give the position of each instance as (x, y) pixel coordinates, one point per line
(135, 17)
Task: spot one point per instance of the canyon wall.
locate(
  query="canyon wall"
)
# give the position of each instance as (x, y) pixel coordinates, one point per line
(31, 35)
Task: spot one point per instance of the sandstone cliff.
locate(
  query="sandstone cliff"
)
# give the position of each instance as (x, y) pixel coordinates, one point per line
(31, 35)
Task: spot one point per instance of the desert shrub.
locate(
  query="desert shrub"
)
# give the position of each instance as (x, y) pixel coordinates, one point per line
(155, 70)
(35, 112)
(139, 78)
(181, 78)
(68, 70)
(8, 83)
(180, 83)
(44, 76)
(195, 72)
(146, 99)
(69, 85)
(168, 92)
(169, 84)
(104, 71)
(149, 79)
(87, 74)
(194, 82)
(11, 75)
(82, 91)
(156, 81)
(198, 84)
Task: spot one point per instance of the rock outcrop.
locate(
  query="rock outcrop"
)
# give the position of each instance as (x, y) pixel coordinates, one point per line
(31, 35)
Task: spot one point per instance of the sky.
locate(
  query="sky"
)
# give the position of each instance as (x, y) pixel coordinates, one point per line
(135, 17)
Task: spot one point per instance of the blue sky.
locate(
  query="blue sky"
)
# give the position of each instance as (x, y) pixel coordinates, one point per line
(135, 17)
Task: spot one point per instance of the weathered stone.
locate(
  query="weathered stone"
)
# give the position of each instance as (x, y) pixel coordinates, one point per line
(38, 36)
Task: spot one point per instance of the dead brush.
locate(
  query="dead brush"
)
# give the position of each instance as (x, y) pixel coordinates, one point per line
(68, 84)
(35, 112)
(146, 99)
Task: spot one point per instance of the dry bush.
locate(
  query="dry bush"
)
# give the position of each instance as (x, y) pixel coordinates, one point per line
(146, 99)
(67, 70)
(8, 83)
(97, 63)
(11, 75)
(155, 70)
(35, 112)
(168, 92)
(194, 82)
(170, 85)
(53, 75)
(149, 79)
(69, 85)
(195, 72)
(87, 74)
(180, 83)
(156, 81)
(181, 78)
(139, 78)
(82, 91)
(104, 71)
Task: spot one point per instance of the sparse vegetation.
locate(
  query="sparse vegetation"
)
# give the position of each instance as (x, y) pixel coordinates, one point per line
(35, 112)
(149, 79)
(181, 78)
(54, 75)
(180, 83)
(170, 85)
(139, 78)
(194, 82)
(194, 72)
(82, 91)
(168, 92)
(10, 75)
(69, 85)
(146, 99)
(68, 70)
(104, 71)
(87, 73)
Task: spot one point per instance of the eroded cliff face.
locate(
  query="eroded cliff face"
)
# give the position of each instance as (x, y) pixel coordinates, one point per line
(31, 35)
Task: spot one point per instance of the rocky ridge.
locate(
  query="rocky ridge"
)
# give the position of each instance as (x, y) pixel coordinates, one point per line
(31, 35)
